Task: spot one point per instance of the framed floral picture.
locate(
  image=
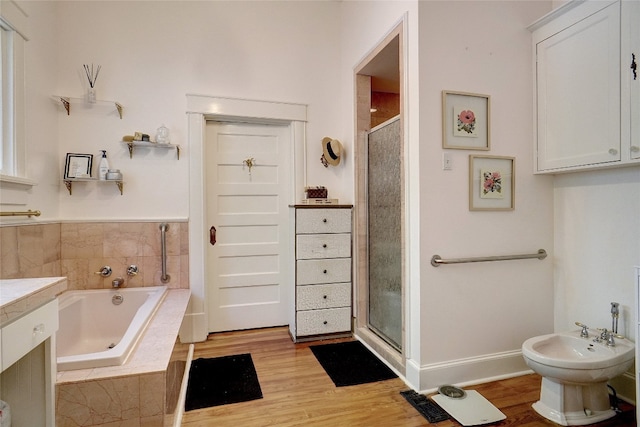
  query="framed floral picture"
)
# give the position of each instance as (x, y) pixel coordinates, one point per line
(465, 121)
(492, 183)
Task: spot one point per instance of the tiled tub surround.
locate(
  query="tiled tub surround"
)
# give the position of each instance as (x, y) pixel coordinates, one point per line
(142, 392)
(77, 250)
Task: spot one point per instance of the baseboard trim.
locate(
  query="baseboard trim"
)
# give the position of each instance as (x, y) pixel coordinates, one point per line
(194, 328)
(470, 371)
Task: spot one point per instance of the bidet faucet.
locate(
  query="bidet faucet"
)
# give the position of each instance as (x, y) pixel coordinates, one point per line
(615, 313)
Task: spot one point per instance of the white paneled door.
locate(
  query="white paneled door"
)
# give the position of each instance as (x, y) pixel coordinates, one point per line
(247, 192)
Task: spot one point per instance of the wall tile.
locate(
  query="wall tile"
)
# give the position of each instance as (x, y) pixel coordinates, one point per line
(81, 240)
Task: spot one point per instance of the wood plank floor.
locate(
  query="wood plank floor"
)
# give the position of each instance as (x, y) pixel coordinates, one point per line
(298, 392)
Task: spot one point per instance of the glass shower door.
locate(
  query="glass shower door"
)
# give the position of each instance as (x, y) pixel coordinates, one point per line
(384, 153)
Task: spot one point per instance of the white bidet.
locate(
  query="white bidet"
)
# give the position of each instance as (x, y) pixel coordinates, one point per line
(575, 371)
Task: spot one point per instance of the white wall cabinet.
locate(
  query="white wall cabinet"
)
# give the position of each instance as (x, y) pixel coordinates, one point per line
(584, 87)
(322, 271)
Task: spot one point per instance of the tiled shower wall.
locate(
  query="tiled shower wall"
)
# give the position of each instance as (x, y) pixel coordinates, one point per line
(78, 250)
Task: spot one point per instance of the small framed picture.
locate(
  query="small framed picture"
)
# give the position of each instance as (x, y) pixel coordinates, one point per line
(492, 184)
(78, 165)
(465, 121)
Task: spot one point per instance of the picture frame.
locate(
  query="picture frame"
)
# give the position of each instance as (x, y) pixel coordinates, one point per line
(78, 166)
(466, 121)
(492, 184)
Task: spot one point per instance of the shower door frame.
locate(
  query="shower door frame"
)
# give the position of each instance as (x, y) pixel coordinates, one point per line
(362, 85)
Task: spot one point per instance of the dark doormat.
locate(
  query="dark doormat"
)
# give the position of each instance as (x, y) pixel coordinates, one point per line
(222, 380)
(351, 363)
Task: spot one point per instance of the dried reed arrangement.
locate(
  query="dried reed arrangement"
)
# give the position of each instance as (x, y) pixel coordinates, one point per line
(90, 74)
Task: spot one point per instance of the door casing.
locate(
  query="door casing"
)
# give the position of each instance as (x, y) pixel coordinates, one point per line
(201, 108)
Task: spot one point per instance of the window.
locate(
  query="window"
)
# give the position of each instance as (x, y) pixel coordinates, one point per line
(13, 26)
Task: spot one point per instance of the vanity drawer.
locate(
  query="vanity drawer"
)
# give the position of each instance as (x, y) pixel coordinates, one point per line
(310, 246)
(27, 332)
(314, 297)
(329, 321)
(330, 270)
(323, 221)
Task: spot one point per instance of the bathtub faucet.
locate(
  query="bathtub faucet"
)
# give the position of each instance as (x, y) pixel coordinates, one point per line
(117, 282)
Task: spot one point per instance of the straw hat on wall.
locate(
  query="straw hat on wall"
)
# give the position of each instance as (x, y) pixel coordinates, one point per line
(331, 151)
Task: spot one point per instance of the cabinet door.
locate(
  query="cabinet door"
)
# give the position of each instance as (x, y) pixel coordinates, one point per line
(578, 93)
(633, 9)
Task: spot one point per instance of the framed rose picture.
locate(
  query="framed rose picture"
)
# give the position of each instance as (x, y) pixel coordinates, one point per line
(465, 121)
(492, 184)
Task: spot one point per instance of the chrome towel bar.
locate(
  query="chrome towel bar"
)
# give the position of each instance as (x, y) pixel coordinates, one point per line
(28, 213)
(436, 260)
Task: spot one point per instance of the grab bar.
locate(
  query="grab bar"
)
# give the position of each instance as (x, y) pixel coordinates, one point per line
(165, 278)
(28, 213)
(436, 260)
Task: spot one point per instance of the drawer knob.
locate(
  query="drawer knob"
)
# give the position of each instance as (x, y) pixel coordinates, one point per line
(38, 329)
(324, 271)
(324, 220)
(324, 296)
(325, 322)
(613, 151)
(324, 245)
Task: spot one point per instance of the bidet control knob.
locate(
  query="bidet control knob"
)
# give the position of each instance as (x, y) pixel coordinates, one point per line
(584, 333)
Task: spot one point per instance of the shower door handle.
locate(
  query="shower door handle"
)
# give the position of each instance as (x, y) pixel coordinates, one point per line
(212, 235)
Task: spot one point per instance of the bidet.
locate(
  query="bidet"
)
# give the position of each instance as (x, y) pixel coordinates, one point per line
(575, 371)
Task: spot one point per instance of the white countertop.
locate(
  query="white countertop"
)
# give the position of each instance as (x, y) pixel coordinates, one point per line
(19, 296)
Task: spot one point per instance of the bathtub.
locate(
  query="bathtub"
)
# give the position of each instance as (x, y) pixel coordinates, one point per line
(96, 332)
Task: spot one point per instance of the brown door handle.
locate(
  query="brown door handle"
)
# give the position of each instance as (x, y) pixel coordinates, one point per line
(212, 235)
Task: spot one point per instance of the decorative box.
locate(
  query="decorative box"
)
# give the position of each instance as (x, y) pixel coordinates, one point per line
(316, 192)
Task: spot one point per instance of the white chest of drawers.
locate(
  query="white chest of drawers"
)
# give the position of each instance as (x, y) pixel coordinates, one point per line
(322, 271)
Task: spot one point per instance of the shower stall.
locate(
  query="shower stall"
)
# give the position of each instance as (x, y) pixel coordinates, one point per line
(384, 232)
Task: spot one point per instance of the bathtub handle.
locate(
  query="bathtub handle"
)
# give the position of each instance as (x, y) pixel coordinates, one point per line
(104, 271)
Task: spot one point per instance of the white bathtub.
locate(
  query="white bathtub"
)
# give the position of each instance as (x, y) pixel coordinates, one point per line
(94, 332)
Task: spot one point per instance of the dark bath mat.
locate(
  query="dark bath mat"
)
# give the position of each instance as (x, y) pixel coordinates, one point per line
(222, 380)
(351, 363)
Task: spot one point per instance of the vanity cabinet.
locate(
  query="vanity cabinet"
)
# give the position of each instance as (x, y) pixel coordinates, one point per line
(585, 88)
(322, 254)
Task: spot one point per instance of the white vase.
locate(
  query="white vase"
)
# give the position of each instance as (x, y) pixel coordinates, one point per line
(91, 95)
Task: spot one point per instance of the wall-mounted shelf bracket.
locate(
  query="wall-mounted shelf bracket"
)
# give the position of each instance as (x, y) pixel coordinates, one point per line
(66, 102)
(148, 144)
(69, 183)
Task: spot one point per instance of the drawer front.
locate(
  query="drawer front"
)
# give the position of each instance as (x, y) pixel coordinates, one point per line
(329, 321)
(314, 297)
(323, 221)
(27, 332)
(330, 270)
(310, 246)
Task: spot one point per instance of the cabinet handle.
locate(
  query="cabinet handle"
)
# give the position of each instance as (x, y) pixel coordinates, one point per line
(635, 148)
(324, 245)
(634, 66)
(38, 329)
(324, 297)
(613, 151)
(324, 220)
(325, 322)
(324, 271)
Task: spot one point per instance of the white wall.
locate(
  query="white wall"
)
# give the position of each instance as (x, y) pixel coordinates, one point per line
(484, 309)
(153, 53)
(597, 244)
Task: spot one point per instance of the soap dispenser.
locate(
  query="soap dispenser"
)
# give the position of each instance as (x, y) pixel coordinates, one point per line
(103, 167)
